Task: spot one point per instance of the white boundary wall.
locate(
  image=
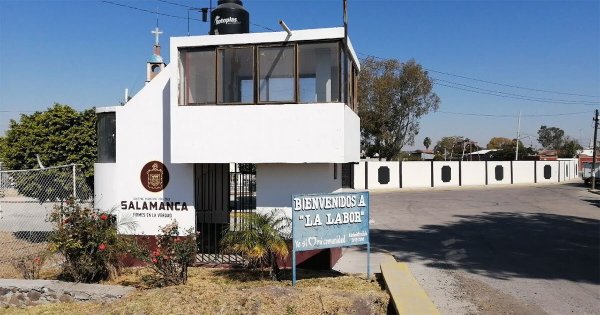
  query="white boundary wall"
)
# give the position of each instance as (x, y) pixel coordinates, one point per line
(374, 175)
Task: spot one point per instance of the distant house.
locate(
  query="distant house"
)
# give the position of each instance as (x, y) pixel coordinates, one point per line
(425, 155)
(481, 155)
(546, 155)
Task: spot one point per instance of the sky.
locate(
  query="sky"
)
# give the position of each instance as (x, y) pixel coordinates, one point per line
(490, 59)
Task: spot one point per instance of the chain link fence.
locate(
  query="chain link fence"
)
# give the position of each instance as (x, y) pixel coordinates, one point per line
(26, 199)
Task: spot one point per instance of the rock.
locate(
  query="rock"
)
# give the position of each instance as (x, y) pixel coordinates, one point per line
(65, 298)
(34, 295)
(81, 296)
(17, 300)
(4, 291)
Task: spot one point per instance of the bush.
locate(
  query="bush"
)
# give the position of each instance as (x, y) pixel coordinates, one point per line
(261, 239)
(171, 258)
(29, 266)
(88, 241)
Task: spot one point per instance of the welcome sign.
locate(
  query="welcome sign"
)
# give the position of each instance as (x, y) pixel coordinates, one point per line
(329, 220)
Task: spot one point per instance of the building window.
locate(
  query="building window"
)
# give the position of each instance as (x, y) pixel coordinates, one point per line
(344, 76)
(276, 74)
(199, 76)
(236, 75)
(106, 133)
(318, 72)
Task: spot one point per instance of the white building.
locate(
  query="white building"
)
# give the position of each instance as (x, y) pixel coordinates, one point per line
(285, 102)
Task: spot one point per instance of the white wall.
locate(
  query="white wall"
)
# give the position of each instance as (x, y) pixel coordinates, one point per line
(105, 188)
(276, 183)
(523, 172)
(491, 168)
(142, 135)
(471, 173)
(394, 180)
(437, 173)
(359, 175)
(416, 174)
(553, 174)
(293, 133)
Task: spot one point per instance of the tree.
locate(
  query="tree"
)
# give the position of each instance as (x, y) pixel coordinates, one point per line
(427, 142)
(393, 97)
(569, 148)
(551, 137)
(261, 240)
(448, 147)
(60, 135)
(499, 143)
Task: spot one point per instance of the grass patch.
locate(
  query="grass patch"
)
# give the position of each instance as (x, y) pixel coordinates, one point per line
(237, 291)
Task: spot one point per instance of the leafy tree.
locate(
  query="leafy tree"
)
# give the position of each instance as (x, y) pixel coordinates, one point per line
(506, 152)
(393, 97)
(569, 148)
(551, 137)
(261, 240)
(499, 143)
(60, 135)
(427, 142)
(453, 147)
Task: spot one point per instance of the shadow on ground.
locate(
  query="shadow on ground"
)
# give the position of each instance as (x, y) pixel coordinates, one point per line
(504, 245)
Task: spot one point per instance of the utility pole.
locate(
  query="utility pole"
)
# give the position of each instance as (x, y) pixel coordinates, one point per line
(518, 136)
(594, 153)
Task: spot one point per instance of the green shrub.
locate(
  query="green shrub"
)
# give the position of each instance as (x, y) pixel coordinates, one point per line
(88, 241)
(260, 239)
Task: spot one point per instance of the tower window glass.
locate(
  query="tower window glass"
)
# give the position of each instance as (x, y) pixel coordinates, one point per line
(236, 75)
(276, 74)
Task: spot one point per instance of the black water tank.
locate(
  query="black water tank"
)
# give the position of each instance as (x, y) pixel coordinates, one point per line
(229, 17)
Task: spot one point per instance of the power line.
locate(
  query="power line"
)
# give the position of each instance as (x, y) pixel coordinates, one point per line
(520, 95)
(482, 91)
(149, 11)
(192, 8)
(490, 82)
(511, 116)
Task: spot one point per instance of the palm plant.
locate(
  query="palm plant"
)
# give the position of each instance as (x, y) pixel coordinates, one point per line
(261, 238)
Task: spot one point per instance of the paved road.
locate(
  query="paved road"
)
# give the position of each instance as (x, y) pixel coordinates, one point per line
(497, 250)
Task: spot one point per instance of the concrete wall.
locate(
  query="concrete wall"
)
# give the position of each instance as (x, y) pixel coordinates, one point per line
(142, 135)
(471, 173)
(276, 183)
(498, 172)
(446, 173)
(523, 172)
(293, 133)
(418, 174)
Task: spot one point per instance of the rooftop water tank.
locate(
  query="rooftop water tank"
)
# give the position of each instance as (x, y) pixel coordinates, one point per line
(229, 17)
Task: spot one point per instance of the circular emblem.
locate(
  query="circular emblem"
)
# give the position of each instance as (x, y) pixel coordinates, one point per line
(154, 176)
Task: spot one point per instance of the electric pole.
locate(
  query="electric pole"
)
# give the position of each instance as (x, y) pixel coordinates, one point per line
(518, 136)
(594, 153)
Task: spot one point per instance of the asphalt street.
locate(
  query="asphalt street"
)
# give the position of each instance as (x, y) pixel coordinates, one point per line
(517, 249)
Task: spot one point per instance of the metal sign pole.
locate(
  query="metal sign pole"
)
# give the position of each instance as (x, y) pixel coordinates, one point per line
(369, 261)
(293, 267)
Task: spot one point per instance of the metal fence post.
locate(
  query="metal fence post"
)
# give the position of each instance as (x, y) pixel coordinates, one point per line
(74, 181)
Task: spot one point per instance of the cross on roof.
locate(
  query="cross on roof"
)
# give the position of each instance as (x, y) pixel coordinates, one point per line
(156, 33)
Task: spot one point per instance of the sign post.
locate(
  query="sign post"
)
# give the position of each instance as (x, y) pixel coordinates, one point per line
(329, 220)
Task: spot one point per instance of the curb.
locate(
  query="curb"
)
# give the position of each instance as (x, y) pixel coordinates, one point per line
(408, 297)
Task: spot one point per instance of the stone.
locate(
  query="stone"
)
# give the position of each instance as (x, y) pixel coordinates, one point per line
(81, 296)
(65, 298)
(4, 291)
(17, 300)
(34, 295)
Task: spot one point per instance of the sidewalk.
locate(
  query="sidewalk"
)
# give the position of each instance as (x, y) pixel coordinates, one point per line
(354, 260)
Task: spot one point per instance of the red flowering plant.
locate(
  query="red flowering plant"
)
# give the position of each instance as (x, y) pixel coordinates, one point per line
(171, 257)
(87, 241)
